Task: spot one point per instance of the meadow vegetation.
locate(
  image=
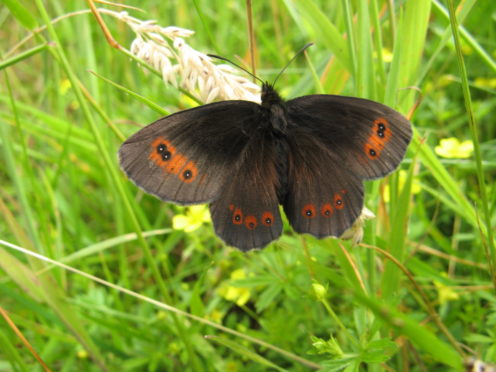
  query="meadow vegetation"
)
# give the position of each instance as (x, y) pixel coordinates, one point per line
(113, 279)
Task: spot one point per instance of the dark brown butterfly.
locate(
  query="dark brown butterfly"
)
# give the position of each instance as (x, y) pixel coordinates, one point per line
(309, 154)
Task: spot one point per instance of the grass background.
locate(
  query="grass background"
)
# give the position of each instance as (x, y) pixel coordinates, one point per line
(418, 295)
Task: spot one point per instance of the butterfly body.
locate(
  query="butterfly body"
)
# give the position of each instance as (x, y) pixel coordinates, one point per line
(309, 154)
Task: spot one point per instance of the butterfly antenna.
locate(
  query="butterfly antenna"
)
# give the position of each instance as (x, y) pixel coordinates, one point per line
(238, 66)
(305, 47)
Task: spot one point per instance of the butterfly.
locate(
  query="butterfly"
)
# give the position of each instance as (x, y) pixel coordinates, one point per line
(309, 154)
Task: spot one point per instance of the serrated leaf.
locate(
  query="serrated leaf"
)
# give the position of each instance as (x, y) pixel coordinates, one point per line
(421, 336)
(253, 281)
(379, 351)
(478, 338)
(336, 365)
(267, 296)
(196, 303)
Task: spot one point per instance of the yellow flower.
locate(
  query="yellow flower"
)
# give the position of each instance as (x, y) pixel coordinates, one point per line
(485, 82)
(65, 85)
(445, 80)
(215, 316)
(415, 185)
(452, 148)
(192, 219)
(445, 293)
(235, 294)
(387, 56)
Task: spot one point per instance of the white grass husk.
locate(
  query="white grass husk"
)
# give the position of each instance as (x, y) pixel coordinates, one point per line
(165, 49)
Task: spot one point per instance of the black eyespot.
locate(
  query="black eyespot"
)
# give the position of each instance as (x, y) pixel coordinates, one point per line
(237, 218)
(380, 133)
(327, 212)
(166, 155)
(187, 174)
(161, 148)
(382, 127)
(252, 225)
(372, 152)
(268, 221)
(338, 202)
(308, 212)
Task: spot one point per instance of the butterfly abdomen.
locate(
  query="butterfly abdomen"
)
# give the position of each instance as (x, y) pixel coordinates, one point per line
(282, 149)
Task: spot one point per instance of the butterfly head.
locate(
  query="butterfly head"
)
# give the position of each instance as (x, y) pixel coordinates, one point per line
(269, 95)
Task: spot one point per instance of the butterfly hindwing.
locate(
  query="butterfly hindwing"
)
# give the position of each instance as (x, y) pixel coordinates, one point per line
(246, 214)
(323, 198)
(186, 157)
(369, 138)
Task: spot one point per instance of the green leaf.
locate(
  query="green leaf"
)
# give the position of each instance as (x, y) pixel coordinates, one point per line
(267, 296)
(196, 303)
(422, 337)
(379, 351)
(337, 364)
(330, 346)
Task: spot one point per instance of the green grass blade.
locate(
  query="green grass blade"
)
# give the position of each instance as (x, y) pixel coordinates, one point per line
(309, 17)
(110, 165)
(22, 56)
(23, 15)
(103, 245)
(408, 49)
(474, 130)
(135, 95)
(466, 36)
(365, 71)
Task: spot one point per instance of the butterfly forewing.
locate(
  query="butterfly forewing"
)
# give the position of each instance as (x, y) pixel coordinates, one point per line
(186, 157)
(246, 214)
(369, 138)
(323, 197)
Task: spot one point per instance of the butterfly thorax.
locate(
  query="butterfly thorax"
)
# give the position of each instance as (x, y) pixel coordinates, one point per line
(276, 109)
